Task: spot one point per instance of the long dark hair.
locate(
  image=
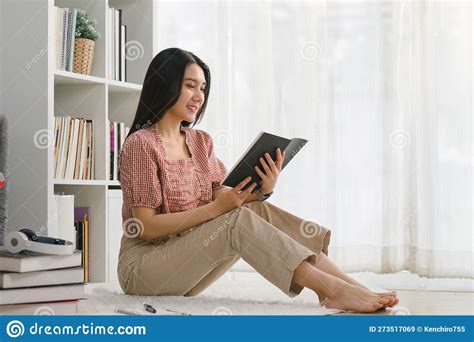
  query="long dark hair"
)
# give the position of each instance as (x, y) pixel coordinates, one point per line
(162, 87)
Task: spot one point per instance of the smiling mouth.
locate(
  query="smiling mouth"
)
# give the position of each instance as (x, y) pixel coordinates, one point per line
(193, 108)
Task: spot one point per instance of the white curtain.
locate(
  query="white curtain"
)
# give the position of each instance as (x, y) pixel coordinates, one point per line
(383, 93)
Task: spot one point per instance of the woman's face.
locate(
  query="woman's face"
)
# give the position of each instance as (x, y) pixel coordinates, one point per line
(192, 94)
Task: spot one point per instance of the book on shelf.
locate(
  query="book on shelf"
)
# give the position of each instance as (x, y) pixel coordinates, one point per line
(264, 142)
(74, 148)
(91, 173)
(118, 133)
(117, 45)
(71, 34)
(116, 149)
(68, 307)
(123, 38)
(111, 41)
(82, 223)
(77, 162)
(116, 52)
(65, 29)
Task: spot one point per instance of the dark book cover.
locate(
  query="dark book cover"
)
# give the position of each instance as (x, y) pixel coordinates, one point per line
(112, 149)
(265, 142)
(119, 49)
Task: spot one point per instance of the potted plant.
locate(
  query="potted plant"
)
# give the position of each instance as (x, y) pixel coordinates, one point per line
(85, 37)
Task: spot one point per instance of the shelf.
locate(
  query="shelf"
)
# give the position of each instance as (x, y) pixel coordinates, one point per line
(70, 78)
(123, 87)
(85, 182)
(95, 97)
(80, 182)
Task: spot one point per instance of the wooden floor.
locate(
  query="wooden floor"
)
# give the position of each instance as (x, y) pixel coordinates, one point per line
(430, 303)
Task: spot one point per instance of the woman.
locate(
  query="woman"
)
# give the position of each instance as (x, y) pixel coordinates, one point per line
(183, 229)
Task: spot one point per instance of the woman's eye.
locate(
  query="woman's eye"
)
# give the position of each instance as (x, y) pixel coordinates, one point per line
(190, 86)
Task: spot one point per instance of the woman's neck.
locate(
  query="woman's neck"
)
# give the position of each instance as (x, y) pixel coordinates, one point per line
(168, 130)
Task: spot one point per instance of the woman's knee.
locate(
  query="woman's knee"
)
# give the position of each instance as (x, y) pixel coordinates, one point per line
(245, 216)
(255, 205)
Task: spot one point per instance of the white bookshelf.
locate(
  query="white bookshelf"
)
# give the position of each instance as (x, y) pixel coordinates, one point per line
(41, 92)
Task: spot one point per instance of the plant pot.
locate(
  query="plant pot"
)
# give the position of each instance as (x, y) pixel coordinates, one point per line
(83, 56)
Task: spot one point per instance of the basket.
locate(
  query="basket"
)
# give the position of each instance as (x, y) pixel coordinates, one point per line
(83, 56)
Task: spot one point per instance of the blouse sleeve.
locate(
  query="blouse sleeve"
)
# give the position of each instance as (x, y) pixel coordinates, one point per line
(218, 169)
(139, 179)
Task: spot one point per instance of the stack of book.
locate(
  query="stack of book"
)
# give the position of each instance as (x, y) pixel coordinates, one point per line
(118, 133)
(40, 284)
(117, 45)
(65, 33)
(73, 148)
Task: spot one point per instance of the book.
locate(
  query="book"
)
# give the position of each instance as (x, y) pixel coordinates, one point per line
(117, 22)
(41, 278)
(122, 130)
(82, 216)
(65, 147)
(264, 142)
(92, 158)
(116, 139)
(68, 38)
(123, 34)
(68, 307)
(71, 37)
(79, 150)
(64, 25)
(30, 261)
(112, 149)
(88, 152)
(57, 138)
(42, 294)
(111, 40)
(58, 35)
(83, 150)
(71, 159)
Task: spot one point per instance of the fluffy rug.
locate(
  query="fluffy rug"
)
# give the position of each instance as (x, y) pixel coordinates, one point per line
(237, 293)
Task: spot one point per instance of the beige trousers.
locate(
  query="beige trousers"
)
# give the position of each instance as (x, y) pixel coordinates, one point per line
(271, 240)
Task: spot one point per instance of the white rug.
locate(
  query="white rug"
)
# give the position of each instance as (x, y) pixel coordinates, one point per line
(247, 293)
(240, 294)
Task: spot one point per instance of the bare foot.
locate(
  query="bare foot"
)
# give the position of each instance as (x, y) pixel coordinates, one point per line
(391, 295)
(355, 298)
(356, 283)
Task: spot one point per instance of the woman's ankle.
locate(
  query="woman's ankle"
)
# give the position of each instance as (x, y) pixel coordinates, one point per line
(322, 283)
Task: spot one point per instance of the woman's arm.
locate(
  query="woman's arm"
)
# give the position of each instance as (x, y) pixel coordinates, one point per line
(158, 225)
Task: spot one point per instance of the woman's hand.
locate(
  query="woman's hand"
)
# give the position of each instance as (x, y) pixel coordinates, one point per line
(272, 170)
(231, 198)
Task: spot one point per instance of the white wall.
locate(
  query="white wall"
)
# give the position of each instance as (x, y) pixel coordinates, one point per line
(24, 102)
(1, 55)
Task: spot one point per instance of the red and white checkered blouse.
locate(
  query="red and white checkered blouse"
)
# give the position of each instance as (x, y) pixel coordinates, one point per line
(150, 180)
